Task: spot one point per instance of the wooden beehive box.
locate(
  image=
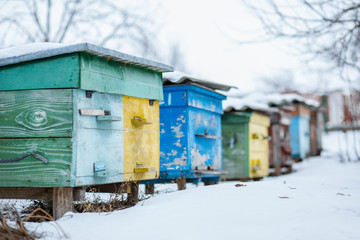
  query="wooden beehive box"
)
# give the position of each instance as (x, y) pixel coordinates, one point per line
(300, 131)
(78, 115)
(279, 143)
(245, 145)
(190, 130)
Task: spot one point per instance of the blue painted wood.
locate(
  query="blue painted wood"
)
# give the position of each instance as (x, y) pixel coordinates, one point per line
(97, 141)
(300, 137)
(190, 133)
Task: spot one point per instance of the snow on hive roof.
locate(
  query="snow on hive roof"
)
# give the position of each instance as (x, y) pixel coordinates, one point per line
(179, 77)
(242, 104)
(292, 98)
(36, 51)
(262, 102)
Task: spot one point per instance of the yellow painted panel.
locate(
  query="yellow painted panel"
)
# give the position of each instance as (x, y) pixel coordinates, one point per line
(258, 146)
(141, 138)
(260, 119)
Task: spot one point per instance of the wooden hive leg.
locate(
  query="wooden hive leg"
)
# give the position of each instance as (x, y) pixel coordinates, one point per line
(62, 201)
(181, 183)
(149, 188)
(133, 194)
(210, 183)
(277, 170)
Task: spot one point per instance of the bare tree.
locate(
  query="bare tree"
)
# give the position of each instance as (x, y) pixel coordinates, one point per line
(279, 83)
(102, 22)
(328, 28)
(176, 57)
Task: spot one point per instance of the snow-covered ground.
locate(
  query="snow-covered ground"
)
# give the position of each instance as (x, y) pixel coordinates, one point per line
(320, 200)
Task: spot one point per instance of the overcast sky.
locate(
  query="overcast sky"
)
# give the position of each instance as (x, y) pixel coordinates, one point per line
(208, 31)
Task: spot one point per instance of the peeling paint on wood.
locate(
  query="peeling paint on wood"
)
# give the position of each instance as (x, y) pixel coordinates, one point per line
(186, 113)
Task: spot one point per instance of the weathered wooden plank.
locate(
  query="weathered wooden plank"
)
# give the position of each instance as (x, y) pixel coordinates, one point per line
(36, 113)
(62, 201)
(31, 172)
(109, 76)
(97, 141)
(141, 142)
(102, 102)
(55, 72)
(98, 145)
(26, 193)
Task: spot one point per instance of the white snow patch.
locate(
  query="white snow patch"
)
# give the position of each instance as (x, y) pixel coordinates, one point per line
(320, 200)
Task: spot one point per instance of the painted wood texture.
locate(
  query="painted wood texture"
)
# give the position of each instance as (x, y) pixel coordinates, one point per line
(300, 137)
(36, 113)
(245, 145)
(31, 172)
(258, 146)
(100, 74)
(98, 141)
(204, 139)
(84, 71)
(173, 141)
(235, 146)
(141, 142)
(190, 131)
(55, 72)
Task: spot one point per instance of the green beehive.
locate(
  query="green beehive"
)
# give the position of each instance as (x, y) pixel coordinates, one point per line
(66, 113)
(245, 145)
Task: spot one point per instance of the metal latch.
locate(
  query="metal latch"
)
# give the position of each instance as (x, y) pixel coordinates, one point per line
(141, 169)
(140, 121)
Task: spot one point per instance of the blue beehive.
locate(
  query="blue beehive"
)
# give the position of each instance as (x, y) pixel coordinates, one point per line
(190, 130)
(300, 132)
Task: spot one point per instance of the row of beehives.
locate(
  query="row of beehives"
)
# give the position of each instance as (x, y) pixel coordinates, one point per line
(80, 115)
(200, 142)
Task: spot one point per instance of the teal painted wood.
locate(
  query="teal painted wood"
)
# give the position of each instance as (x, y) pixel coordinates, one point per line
(55, 72)
(36, 113)
(31, 172)
(98, 141)
(102, 75)
(84, 71)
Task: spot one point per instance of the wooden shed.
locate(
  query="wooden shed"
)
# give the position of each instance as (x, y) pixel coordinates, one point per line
(73, 116)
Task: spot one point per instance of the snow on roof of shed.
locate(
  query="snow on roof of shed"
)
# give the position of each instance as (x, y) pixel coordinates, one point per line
(34, 51)
(177, 77)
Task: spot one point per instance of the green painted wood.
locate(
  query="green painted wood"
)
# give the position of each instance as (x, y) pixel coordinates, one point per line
(235, 146)
(102, 75)
(55, 72)
(31, 172)
(36, 113)
(84, 71)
